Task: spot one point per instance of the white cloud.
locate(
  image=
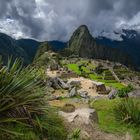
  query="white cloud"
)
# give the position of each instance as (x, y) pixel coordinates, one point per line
(57, 19)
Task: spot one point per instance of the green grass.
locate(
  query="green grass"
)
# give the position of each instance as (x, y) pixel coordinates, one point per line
(107, 120)
(95, 77)
(91, 66)
(74, 67)
(115, 85)
(110, 83)
(85, 69)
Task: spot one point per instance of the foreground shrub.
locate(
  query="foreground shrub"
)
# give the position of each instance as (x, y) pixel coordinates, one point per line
(128, 111)
(24, 112)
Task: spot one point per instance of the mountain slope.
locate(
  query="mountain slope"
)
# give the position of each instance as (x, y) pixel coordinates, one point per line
(130, 44)
(45, 56)
(84, 45)
(30, 46)
(57, 45)
(25, 49)
(9, 47)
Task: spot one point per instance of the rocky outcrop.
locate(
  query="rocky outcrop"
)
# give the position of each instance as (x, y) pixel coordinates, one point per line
(99, 87)
(74, 83)
(113, 94)
(135, 93)
(73, 92)
(83, 94)
(58, 83)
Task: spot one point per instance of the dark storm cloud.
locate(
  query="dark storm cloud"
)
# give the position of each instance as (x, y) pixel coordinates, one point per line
(57, 19)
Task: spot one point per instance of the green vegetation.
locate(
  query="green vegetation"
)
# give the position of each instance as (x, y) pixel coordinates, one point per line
(128, 111)
(75, 135)
(124, 91)
(45, 56)
(24, 112)
(107, 118)
(82, 69)
(75, 68)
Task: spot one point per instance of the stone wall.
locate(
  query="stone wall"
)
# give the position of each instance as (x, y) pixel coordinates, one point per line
(99, 88)
(68, 75)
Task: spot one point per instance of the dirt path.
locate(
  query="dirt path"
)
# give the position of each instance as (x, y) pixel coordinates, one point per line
(85, 119)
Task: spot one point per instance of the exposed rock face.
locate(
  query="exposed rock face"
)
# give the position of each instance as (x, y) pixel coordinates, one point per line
(58, 83)
(112, 94)
(62, 84)
(74, 83)
(83, 94)
(73, 92)
(135, 93)
(99, 88)
(84, 45)
(80, 38)
(53, 82)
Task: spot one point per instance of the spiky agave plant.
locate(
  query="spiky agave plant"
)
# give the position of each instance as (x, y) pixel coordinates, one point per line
(21, 98)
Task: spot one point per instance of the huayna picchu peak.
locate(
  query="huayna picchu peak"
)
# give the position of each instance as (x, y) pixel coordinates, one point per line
(83, 44)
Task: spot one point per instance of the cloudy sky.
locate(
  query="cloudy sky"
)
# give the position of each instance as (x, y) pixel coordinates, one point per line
(57, 19)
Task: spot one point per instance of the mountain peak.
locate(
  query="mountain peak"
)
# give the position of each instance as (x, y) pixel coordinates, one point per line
(84, 27)
(79, 37)
(81, 30)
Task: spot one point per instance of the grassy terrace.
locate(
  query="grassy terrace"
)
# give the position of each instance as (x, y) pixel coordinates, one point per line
(107, 121)
(87, 70)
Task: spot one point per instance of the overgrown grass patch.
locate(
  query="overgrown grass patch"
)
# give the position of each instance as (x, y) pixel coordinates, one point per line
(75, 68)
(107, 120)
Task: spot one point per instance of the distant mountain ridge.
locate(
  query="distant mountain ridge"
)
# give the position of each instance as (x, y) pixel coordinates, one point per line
(9, 47)
(130, 44)
(82, 44)
(24, 49)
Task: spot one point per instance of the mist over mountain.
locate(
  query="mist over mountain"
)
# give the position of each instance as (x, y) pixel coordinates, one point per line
(82, 44)
(129, 43)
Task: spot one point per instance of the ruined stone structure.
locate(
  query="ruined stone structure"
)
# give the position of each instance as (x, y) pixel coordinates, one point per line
(68, 74)
(99, 88)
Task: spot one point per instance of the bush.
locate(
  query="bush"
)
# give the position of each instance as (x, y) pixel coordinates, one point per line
(128, 111)
(24, 111)
(124, 91)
